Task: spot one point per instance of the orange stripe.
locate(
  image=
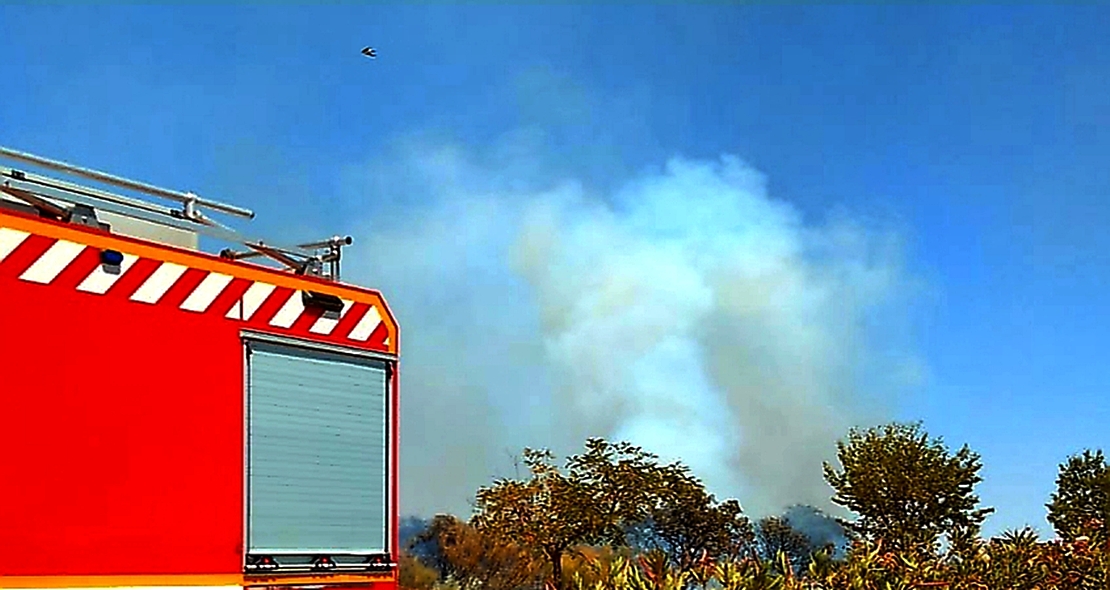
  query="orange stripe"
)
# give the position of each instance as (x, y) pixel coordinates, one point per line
(202, 261)
(110, 581)
(187, 580)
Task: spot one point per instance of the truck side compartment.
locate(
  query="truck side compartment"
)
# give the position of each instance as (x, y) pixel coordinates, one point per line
(173, 418)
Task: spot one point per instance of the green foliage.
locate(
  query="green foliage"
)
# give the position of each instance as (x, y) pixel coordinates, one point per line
(645, 572)
(604, 492)
(688, 525)
(907, 489)
(527, 534)
(1082, 496)
(624, 485)
(414, 575)
(776, 537)
(437, 531)
(470, 560)
(547, 514)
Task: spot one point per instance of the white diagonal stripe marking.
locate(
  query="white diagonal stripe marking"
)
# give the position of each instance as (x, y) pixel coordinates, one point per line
(289, 312)
(52, 262)
(251, 300)
(325, 325)
(10, 239)
(366, 325)
(100, 281)
(206, 292)
(156, 286)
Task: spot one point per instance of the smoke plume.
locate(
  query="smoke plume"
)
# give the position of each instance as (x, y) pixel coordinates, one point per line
(687, 312)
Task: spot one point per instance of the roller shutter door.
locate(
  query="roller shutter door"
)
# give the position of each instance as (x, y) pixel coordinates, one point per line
(317, 452)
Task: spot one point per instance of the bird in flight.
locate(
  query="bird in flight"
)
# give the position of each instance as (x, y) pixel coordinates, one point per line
(369, 52)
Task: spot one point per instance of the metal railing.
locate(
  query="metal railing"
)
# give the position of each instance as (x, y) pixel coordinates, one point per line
(41, 192)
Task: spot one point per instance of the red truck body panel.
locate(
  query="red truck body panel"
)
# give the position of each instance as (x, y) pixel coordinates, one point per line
(122, 411)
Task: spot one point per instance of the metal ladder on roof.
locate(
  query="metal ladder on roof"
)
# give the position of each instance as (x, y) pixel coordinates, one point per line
(41, 193)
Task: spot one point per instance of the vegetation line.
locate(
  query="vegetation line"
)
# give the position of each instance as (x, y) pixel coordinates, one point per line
(613, 518)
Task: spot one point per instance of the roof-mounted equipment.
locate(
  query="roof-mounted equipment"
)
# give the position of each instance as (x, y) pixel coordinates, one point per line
(73, 203)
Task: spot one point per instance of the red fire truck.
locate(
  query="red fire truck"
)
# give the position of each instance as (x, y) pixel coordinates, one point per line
(173, 418)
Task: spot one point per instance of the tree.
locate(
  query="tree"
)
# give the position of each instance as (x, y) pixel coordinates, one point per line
(426, 545)
(825, 532)
(474, 560)
(624, 484)
(689, 526)
(906, 489)
(605, 490)
(1082, 496)
(414, 575)
(549, 513)
(775, 535)
(801, 534)
(418, 540)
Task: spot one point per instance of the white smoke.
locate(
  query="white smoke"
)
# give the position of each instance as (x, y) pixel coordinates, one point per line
(688, 313)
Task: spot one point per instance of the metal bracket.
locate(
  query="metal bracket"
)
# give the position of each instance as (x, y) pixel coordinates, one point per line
(86, 216)
(78, 214)
(312, 265)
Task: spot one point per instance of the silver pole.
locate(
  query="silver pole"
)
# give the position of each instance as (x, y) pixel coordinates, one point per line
(185, 198)
(330, 242)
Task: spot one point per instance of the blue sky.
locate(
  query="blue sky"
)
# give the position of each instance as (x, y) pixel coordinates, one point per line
(977, 135)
